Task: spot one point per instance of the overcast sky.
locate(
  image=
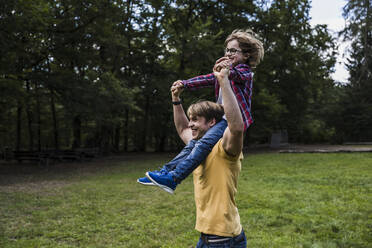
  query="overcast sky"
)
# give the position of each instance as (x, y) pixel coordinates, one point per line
(330, 12)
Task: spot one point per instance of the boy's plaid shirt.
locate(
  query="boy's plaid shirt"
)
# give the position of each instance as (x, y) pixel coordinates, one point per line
(241, 79)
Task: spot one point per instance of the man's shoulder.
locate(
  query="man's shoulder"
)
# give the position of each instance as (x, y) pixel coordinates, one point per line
(219, 151)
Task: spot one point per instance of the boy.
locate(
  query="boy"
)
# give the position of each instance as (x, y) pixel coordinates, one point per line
(243, 51)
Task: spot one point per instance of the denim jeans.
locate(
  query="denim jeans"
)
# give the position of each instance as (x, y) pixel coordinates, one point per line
(195, 152)
(181, 156)
(239, 241)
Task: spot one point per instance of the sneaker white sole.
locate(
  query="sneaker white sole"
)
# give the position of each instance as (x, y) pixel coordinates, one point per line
(146, 184)
(163, 187)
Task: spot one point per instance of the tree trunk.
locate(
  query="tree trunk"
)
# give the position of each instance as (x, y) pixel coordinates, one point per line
(105, 139)
(38, 112)
(29, 119)
(161, 139)
(54, 117)
(19, 127)
(76, 125)
(161, 142)
(117, 138)
(145, 120)
(125, 131)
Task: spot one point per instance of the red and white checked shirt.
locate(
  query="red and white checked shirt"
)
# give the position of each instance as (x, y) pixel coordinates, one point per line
(241, 79)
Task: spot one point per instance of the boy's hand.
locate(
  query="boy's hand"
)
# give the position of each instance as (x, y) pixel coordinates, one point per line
(218, 66)
(178, 84)
(176, 90)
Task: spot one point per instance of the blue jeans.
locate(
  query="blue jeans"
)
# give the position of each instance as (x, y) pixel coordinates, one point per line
(239, 241)
(195, 152)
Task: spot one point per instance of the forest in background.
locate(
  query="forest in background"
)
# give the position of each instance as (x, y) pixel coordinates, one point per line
(97, 73)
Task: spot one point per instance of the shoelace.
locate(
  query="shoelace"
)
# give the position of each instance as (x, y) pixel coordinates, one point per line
(161, 172)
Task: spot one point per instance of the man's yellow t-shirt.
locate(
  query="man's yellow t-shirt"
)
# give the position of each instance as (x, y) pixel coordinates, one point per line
(215, 186)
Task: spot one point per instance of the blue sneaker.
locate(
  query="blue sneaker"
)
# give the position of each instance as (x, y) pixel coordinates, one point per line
(160, 172)
(148, 182)
(145, 181)
(164, 181)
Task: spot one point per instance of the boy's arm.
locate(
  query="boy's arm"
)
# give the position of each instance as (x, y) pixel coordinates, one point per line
(232, 140)
(240, 74)
(198, 82)
(180, 119)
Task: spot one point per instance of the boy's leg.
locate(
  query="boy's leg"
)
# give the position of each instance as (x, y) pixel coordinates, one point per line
(170, 165)
(200, 152)
(184, 153)
(169, 181)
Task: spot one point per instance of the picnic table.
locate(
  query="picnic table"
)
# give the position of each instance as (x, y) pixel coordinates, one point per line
(47, 156)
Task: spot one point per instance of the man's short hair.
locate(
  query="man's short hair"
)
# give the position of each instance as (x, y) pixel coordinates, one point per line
(207, 109)
(249, 43)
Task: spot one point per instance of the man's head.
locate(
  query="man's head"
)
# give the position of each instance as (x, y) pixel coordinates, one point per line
(243, 47)
(203, 115)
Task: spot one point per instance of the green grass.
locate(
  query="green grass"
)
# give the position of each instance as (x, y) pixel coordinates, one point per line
(285, 200)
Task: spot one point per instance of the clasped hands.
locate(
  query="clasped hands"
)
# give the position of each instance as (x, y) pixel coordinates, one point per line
(220, 70)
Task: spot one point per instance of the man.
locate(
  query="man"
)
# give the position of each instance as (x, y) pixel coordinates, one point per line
(215, 180)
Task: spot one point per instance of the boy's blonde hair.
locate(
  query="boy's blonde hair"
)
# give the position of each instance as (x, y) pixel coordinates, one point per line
(249, 43)
(207, 109)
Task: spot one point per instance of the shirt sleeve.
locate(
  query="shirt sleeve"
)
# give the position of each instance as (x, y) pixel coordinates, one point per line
(202, 81)
(240, 74)
(227, 156)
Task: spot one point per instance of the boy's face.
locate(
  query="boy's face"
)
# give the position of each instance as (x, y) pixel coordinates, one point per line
(235, 54)
(199, 126)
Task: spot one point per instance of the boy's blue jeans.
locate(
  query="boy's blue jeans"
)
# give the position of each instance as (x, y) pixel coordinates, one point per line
(195, 152)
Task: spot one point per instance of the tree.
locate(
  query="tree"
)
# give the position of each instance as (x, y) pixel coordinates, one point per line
(22, 47)
(357, 111)
(97, 73)
(296, 69)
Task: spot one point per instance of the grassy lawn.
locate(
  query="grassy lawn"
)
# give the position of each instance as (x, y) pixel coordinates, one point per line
(285, 200)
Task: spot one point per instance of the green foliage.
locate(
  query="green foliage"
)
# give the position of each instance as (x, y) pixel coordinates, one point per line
(268, 110)
(101, 70)
(297, 64)
(358, 103)
(284, 200)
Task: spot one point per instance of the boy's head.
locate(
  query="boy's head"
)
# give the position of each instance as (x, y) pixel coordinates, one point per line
(203, 115)
(242, 46)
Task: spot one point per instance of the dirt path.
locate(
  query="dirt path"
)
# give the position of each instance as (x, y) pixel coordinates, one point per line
(325, 148)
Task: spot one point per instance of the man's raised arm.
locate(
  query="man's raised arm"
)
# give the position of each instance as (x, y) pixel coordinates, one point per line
(180, 119)
(232, 140)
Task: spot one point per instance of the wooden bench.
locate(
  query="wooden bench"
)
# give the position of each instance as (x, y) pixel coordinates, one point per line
(65, 155)
(30, 156)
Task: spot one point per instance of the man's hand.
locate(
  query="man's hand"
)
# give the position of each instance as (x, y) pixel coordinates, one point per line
(222, 71)
(176, 90)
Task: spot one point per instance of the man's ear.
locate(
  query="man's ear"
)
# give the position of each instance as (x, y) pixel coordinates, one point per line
(212, 122)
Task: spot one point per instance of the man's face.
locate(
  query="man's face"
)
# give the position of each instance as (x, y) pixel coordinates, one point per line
(199, 126)
(234, 53)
